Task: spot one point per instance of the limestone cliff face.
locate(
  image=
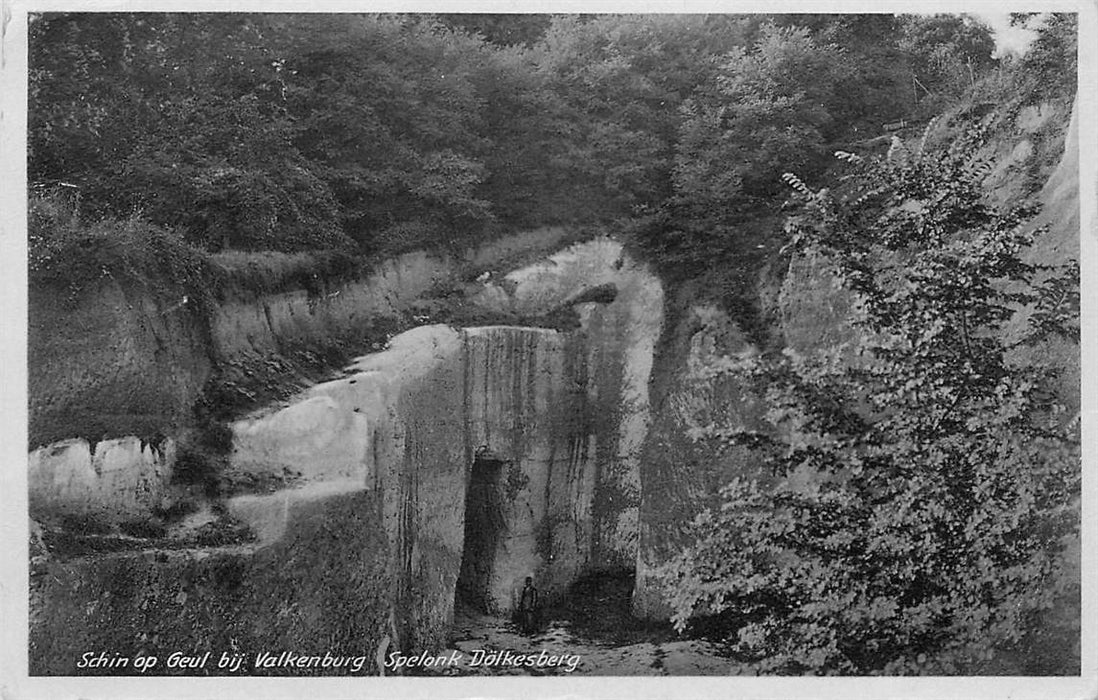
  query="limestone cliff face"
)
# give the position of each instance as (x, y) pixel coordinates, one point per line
(116, 482)
(399, 435)
(417, 418)
(120, 359)
(1058, 245)
(258, 327)
(621, 340)
(815, 309)
(461, 460)
(116, 360)
(1060, 200)
(680, 476)
(246, 326)
(527, 407)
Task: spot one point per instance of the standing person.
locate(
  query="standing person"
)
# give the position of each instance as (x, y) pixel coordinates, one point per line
(528, 604)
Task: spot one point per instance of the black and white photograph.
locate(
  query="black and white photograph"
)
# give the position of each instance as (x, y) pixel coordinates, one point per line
(694, 349)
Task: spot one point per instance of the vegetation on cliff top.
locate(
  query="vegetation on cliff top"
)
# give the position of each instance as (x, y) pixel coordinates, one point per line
(379, 133)
(268, 138)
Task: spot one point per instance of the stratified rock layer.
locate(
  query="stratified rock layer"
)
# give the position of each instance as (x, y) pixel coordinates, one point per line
(360, 485)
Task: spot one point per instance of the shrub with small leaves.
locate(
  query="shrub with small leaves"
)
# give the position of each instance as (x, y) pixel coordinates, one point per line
(916, 487)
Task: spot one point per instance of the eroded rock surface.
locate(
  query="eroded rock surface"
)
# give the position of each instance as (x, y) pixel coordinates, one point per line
(375, 468)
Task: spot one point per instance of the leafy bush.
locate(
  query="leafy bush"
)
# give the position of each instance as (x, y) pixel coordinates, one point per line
(52, 217)
(65, 253)
(233, 208)
(916, 486)
(1049, 69)
(253, 273)
(765, 110)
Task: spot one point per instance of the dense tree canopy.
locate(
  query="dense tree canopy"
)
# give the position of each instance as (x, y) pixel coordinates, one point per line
(757, 116)
(312, 131)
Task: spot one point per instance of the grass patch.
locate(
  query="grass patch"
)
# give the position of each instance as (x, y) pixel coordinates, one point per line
(254, 274)
(247, 382)
(75, 259)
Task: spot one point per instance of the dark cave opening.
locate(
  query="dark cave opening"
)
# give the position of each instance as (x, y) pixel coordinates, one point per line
(484, 528)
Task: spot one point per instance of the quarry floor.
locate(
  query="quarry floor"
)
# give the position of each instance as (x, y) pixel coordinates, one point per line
(589, 633)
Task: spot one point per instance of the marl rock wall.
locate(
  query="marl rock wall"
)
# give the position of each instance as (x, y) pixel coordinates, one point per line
(113, 360)
(375, 468)
(371, 468)
(680, 476)
(118, 358)
(621, 342)
(1058, 245)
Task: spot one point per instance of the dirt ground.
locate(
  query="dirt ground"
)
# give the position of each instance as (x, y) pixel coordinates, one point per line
(590, 632)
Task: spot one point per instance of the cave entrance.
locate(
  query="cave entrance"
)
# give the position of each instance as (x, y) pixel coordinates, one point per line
(484, 528)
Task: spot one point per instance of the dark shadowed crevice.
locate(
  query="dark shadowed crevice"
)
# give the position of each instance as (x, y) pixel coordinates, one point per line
(484, 528)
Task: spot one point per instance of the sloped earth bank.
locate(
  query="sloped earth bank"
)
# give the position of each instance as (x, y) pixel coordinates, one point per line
(590, 632)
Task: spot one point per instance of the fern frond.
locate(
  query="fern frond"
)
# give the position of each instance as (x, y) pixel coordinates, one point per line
(926, 136)
(796, 183)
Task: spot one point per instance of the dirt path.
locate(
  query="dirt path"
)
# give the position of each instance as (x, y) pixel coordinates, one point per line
(591, 633)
